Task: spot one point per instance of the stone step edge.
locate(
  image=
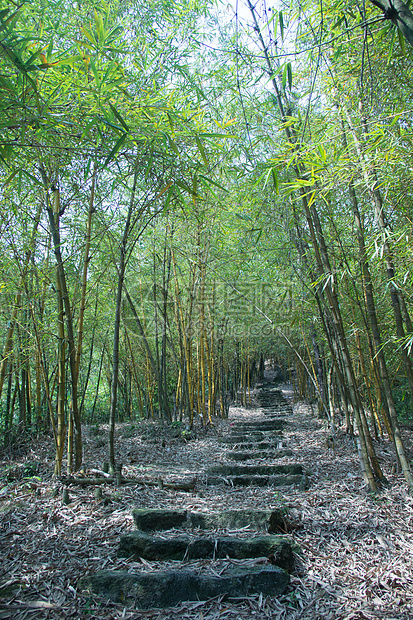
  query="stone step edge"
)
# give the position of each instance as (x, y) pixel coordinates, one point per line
(162, 589)
(263, 454)
(155, 519)
(254, 470)
(183, 547)
(260, 481)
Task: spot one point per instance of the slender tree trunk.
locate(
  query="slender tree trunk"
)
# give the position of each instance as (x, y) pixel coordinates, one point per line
(61, 389)
(116, 335)
(54, 213)
(86, 260)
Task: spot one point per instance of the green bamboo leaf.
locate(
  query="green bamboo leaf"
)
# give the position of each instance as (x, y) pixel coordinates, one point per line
(401, 41)
(69, 60)
(290, 76)
(3, 14)
(173, 145)
(10, 178)
(171, 123)
(99, 27)
(323, 152)
(216, 135)
(275, 180)
(281, 25)
(88, 127)
(169, 196)
(49, 51)
(267, 176)
(89, 36)
(115, 149)
(390, 54)
(201, 150)
(118, 116)
(149, 167)
(95, 72)
(185, 187)
(212, 182)
(284, 77)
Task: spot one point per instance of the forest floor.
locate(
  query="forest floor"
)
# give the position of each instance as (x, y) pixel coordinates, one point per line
(356, 559)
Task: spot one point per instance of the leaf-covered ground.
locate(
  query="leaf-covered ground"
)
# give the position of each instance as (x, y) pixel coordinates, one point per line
(356, 559)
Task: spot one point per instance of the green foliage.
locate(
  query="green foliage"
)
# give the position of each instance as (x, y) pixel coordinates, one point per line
(107, 92)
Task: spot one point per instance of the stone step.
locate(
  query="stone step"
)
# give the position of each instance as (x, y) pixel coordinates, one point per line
(265, 454)
(265, 391)
(276, 424)
(152, 519)
(277, 410)
(258, 481)
(254, 470)
(188, 547)
(250, 437)
(147, 589)
(254, 445)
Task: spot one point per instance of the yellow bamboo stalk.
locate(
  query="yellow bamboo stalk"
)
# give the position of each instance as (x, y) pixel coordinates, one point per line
(186, 340)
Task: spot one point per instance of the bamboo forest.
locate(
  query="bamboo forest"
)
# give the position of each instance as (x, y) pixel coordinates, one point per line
(206, 302)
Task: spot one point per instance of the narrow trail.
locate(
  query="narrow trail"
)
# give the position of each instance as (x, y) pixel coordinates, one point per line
(242, 556)
(353, 553)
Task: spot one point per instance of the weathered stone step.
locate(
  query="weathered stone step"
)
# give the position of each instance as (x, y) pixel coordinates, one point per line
(250, 437)
(277, 411)
(151, 519)
(276, 424)
(254, 470)
(265, 389)
(187, 547)
(264, 454)
(258, 481)
(254, 445)
(146, 589)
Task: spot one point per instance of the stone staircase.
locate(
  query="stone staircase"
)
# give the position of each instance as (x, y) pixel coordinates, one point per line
(259, 438)
(242, 551)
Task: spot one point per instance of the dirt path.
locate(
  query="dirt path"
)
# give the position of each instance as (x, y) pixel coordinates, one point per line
(356, 560)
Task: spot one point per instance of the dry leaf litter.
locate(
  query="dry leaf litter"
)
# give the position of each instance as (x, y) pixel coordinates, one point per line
(356, 558)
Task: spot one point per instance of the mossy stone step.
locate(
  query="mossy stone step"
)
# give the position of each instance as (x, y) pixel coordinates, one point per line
(188, 547)
(254, 445)
(264, 454)
(258, 481)
(254, 470)
(152, 519)
(255, 436)
(146, 589)
(276, 424)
